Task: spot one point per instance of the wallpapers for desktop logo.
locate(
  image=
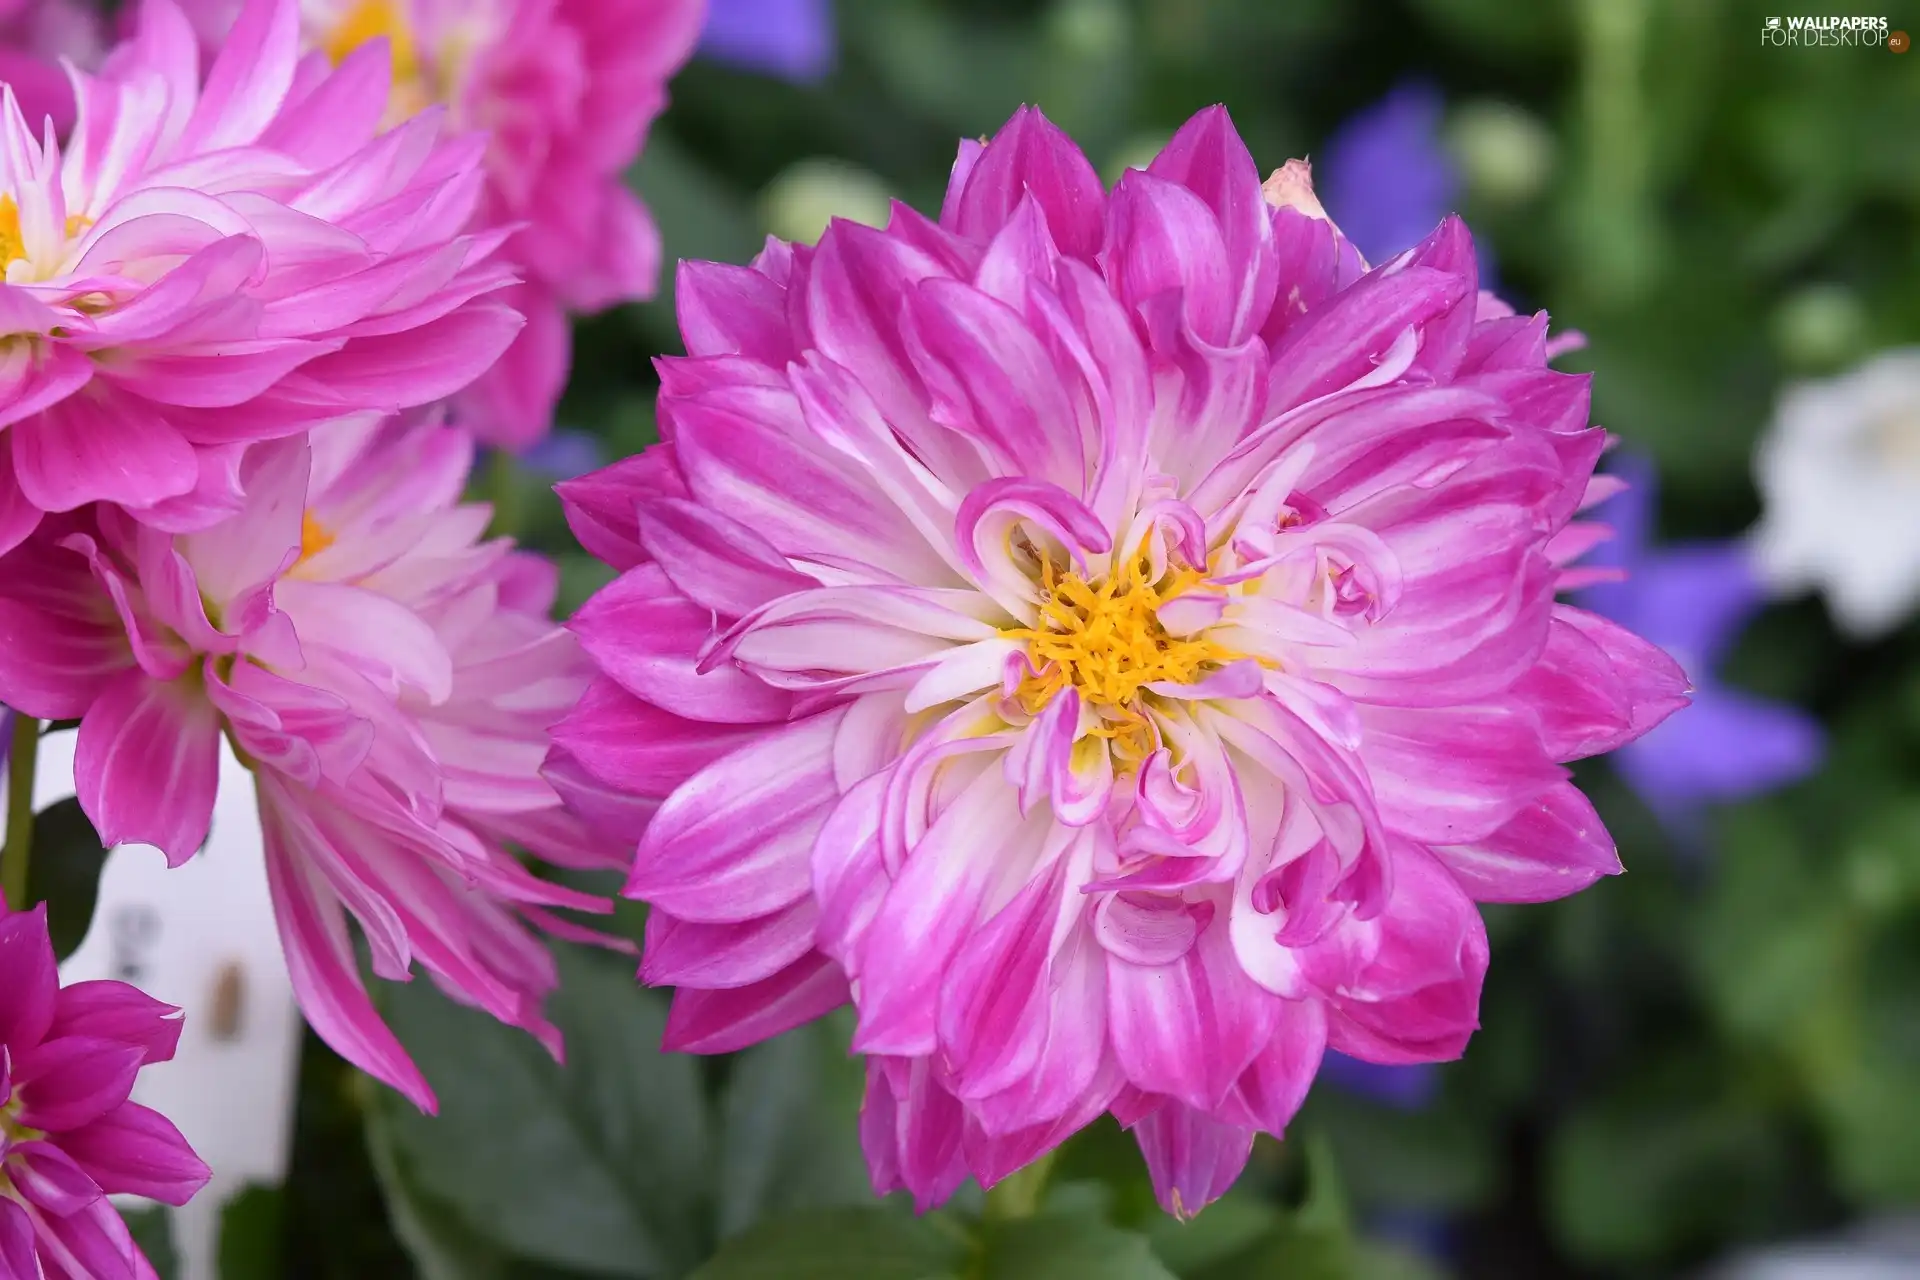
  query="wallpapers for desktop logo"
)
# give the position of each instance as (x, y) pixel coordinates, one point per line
(1844, 32)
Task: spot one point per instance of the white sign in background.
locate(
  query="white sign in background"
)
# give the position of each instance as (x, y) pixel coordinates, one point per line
(202, 937)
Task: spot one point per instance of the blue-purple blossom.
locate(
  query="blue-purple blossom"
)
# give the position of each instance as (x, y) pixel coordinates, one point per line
(1693, 600)
(793, 39)
(564, 454)
(1383, 175)
(1409, 1088)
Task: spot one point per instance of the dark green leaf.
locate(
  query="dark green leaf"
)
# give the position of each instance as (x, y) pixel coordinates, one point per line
(152, 1230)
(250, 1235)
(844, 1244)
(1051, 1247)
(790, 1128)
(441, 1246)
(602, 1165)
(65, 872)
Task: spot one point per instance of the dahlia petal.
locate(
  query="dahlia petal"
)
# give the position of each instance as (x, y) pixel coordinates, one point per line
(17, 1251)
(758, 470)
(935, 902)
(638, 747)
(1193, 1158)
(64, 1084)
(728, 1020)
(95, 448)
(645, 635)
(119, 1012)
(912, 1129)
(602, 507)
(147, 765)
(732, 842)
(420, 365)
(1408, 980)
(992, 1011)
(60, 643)
(52, 372)
(18, 517)
(133, 1150)
(727, 310)
(1188, 1027)
(49, 1179)
(715, 561)
(28, 1000)
(1339, 344)
(326, 973)
(1031, 156)
(1163, 238)
(511, 404)
(1454, 774)
(1554, 846)
(1598, 685)
(1208, 158)
(688, 953)
(382, 638)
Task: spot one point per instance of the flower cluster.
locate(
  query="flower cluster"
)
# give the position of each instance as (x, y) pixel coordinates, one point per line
(69, 1137)
(389, 678)
(1111, 638)
(565, 90)
(230, 508)
(204, 266)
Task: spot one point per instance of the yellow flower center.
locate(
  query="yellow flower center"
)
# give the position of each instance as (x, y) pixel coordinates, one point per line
(371, 20)
(314, 538)
(1106, 641)
(13, 243)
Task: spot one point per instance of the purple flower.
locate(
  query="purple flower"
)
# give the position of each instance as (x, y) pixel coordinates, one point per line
(792, 39)
(1408, 1087)
(1383, 175)
(565, 454)
(1693, 600)
(69, 1136)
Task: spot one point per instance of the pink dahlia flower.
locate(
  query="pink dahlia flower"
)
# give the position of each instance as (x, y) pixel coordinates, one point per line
(567, 90)
(388, 677)
(35, 37)
(201, 268)
(1108, 636)
(69, 1137)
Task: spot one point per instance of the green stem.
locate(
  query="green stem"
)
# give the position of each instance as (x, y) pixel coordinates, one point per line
(502, 487)
(1019, 1194)
(18, 853)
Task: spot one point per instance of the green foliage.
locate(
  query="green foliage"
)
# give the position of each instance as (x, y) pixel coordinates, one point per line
(65, 872)
(152, 1229)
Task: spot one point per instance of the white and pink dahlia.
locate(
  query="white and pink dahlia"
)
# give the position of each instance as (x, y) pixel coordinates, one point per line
(203, 266)
(388, 677)
(1110, 637)
(566, 91)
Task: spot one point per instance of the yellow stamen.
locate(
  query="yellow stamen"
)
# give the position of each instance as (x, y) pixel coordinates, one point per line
(370, 20)
(314, 538)
(1106, 641)
(12, 244)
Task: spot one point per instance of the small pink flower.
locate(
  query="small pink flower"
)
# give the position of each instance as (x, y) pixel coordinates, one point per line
(388, 676)
(202, 267)
(567, 90)
(69, 1136)
(1110, 637)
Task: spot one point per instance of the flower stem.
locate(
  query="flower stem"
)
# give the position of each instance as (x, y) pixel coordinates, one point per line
(1019, 1194)
(18, 853)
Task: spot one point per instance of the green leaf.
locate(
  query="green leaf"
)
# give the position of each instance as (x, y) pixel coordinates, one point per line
(250, 1235)
(65, 872)
(873, 1243)
(1051, 1247)
(602, 1165)
(1224, 1229)
(441, 1246)
(152, 1229)
(790, 1128)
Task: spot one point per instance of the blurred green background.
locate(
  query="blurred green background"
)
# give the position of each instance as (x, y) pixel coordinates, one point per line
(1717, 1050)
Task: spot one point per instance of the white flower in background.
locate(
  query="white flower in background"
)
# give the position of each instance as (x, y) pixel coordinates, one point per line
(1839, 474)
